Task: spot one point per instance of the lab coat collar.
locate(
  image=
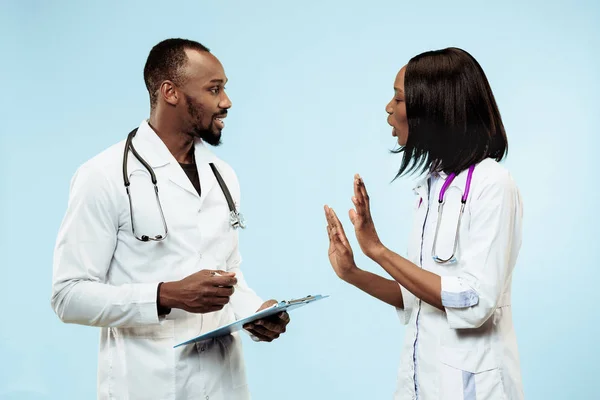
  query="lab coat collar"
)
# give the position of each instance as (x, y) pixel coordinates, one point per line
(156, 152)
(420, 187)
(151, 147)
(421, 183)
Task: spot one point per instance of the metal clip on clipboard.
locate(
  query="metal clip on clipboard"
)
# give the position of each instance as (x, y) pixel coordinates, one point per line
(284, 305)
(306, 299)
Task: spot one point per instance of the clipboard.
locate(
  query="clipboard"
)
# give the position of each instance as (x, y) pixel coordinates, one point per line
(286, 305)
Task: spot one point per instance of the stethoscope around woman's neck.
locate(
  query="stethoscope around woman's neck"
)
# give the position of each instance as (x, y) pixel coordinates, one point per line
(236, 219)
(441, 201)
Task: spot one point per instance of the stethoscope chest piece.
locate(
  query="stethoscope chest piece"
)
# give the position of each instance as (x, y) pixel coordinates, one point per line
(236, 220)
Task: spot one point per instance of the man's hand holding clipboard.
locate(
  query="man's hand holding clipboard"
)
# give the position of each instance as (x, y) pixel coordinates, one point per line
(265, 325)
(269, 328)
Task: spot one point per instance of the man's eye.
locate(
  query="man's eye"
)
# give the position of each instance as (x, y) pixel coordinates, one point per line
(215, 90)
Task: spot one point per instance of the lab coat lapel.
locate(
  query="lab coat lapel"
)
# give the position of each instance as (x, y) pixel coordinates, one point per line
(178, 176)
(150, 147)
(420, 211)
(156, 153)
(207, 177)
(420, 189)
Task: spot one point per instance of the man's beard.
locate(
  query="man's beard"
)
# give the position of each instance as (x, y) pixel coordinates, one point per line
(209, 134)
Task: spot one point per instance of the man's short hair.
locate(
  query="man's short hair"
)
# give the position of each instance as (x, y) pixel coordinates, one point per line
(166, 61)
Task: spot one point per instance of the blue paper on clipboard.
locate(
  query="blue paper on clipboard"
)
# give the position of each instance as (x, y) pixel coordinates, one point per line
(288, 305)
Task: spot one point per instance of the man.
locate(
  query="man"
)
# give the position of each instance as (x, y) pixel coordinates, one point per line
(156, 268)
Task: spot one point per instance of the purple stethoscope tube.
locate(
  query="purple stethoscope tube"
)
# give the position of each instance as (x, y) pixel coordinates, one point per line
(465, 195)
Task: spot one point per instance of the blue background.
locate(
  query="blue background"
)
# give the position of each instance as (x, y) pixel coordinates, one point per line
(309, 82)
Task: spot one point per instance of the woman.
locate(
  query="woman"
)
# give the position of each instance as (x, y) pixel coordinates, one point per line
(453, 289)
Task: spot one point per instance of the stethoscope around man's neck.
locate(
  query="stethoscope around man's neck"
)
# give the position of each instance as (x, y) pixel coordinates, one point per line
(236, 219)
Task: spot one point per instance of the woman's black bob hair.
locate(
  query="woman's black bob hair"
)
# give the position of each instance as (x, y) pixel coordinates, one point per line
(453, 119)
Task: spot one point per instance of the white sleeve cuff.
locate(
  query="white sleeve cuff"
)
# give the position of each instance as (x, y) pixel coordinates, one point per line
(456, 294)
(146, 302)
(405, 312)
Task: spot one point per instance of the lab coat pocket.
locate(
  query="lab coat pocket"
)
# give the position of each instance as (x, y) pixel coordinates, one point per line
(143, 364)
(231, 346)
(469, 374)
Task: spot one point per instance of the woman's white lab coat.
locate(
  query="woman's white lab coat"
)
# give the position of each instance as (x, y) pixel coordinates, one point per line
(105, 277)
(469, 351)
